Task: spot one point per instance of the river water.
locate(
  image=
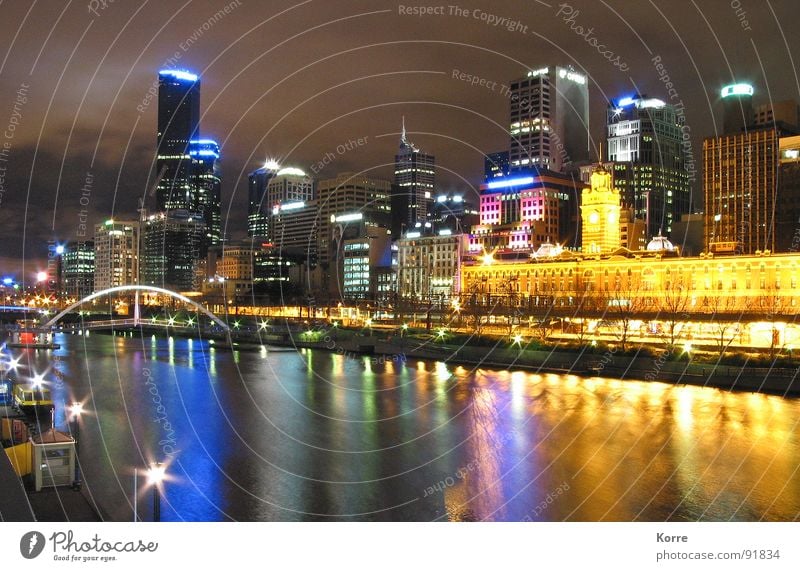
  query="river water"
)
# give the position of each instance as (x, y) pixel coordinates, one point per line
(314, 435)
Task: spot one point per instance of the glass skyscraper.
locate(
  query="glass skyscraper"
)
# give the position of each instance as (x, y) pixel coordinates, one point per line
(206, 184)
(414, 176)
(178, 124)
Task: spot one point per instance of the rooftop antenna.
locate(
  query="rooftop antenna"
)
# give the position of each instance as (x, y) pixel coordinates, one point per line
(403, 134)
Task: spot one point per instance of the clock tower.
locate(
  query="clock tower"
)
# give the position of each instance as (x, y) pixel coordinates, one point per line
(600, 210)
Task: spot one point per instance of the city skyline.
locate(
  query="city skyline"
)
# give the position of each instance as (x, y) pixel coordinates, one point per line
(394, 88)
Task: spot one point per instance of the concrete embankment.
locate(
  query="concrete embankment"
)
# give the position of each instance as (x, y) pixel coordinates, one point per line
(780, 381)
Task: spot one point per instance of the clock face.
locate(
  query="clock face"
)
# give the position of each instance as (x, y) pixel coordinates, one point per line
(612, 217)
(594, 218)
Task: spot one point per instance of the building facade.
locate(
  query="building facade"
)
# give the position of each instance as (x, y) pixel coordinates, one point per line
(178, 124)
(414, 177)
(526, 210)
(259, 209)
(646, 155)
(170, 250)
(739, 186)
(207, 185)
(549, 120)
(77, 269)
(116, 254)
(429, 267)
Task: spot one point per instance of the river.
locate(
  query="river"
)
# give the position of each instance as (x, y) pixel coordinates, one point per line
(314, 435)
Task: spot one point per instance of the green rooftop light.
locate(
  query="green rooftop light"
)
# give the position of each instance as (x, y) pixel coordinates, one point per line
(737, 89)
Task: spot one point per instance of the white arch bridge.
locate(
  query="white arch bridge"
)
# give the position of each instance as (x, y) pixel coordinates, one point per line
(136, 321)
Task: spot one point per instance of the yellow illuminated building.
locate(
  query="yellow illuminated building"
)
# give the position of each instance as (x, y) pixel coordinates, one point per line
(600, 214)
(757, 294)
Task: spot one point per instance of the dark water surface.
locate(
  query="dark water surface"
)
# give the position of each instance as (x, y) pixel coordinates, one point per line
(319, 436)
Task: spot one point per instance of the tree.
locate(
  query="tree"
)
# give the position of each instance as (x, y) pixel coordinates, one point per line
(675, 303)
(624, 306)
(724, 320)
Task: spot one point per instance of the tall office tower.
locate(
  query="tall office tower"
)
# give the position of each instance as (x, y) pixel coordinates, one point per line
(355, 195)
(77, 269)
(207, 184)
(116, 254)
(787, 212)
(178, 124)
(549, 120)
(645, 152)
(496, 165)
(289, 186)
(170, 249)
(259, 209)
(414, 175)
(737, 105)
(739, 186)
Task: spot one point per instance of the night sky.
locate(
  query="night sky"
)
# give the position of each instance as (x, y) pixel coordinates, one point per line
(295, 80)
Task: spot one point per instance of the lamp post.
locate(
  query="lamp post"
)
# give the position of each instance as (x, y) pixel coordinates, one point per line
(75, 425)
(155, 476)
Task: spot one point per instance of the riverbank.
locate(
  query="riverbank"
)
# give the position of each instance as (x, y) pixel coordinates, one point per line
(591, 361)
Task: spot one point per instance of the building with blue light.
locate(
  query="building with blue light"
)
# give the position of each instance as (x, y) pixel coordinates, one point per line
(496, 165)
(646, 160)
(528, 209)
(178, 124)
(207, 185)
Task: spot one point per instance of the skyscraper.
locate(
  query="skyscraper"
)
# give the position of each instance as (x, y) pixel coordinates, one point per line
(259, 210)
(206, 182)
(116, 254)
(178, 124)
(170, 249)
(77, 269)
(737, 104)
(645, 152)
(741, 179)
(549, 120)
(414, 176)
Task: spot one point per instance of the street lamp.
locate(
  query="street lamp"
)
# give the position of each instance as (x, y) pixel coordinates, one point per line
(156, 474)
(75, 426)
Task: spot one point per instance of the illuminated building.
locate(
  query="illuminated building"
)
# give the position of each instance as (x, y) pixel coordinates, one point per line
(749, 299)
(207, 183)
(259, 210)
(178, 124)
(632, 231)
(496, 165)
(293, 229)
(116, 254)
(645, 158)
(739, 184)
(549, 120)
(230, 269)
(366, 260)
(600, 215)
(455, 213)
(350, 194)
(414, 178)
(77, 269)
(170, 251)
(737, 105)
(429, 267)
(787, 216)
(526, 210)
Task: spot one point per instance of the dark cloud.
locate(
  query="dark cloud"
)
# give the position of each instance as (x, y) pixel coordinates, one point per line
(296, 79)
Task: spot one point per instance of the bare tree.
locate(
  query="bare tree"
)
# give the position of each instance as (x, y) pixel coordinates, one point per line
(625, 305)
(675, 302)
(724, 320)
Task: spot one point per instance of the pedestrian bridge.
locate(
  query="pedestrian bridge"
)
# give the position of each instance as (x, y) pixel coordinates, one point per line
(136, 321)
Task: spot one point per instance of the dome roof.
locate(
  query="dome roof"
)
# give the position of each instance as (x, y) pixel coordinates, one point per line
(548, 250)
(659, 244)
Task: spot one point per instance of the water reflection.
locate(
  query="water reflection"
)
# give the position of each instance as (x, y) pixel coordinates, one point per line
(315, 435)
